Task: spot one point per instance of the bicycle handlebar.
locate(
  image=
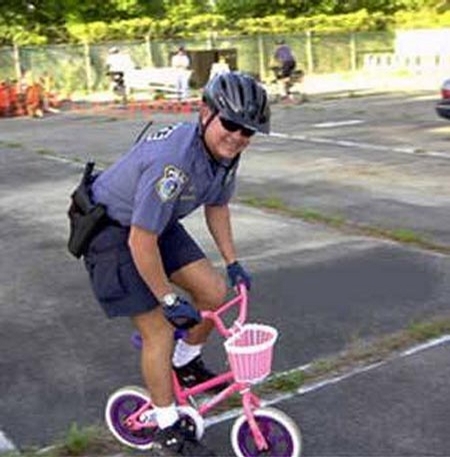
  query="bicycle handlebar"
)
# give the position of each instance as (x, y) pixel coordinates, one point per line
(241, 299)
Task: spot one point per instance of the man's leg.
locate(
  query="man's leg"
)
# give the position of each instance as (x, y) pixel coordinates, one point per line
(207, 289)
(156, 366)
(157, 347)
(175, 434)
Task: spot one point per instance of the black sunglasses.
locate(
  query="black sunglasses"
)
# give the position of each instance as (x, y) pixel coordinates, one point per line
(231, 126)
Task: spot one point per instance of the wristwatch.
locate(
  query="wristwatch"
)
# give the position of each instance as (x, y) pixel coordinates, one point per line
(169, 299)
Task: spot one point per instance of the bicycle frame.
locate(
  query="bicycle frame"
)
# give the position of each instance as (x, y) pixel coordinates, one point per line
(185, 395)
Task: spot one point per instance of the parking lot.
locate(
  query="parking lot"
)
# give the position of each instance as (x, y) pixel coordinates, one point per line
(378, 165)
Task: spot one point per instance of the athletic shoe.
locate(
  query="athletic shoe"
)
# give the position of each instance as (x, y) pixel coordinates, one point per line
(195, 372)
(179, 439)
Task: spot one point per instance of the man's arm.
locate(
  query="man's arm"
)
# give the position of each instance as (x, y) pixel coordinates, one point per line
(147, 258)
(219, 225)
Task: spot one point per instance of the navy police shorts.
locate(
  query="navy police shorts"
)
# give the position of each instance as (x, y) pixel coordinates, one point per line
(114, 278)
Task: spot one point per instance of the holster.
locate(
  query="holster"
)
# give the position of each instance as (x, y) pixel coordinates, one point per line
(86, 218)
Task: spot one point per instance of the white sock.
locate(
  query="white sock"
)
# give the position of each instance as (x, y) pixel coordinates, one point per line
(166, 415)
(185, 352)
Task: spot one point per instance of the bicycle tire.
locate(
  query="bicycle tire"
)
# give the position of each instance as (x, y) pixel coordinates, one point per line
(119, 406)
(129, 399)
(281, 432)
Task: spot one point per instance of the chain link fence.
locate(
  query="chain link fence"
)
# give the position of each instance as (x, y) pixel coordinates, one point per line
(83, 67)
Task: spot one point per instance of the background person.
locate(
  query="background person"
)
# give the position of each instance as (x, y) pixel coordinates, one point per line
(286, 64)
(219, 67)
(34, 96)
(180, 60)
(136, 260)
(49, 97)
(117, 64)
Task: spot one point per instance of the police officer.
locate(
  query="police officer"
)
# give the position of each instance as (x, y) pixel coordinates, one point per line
(118, 64)
(137, 259)
(286, 60)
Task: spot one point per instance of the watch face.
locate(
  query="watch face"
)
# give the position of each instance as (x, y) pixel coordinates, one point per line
(170, 299)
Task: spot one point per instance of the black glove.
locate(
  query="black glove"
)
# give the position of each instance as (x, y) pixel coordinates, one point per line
(181, 314)
(237, 274)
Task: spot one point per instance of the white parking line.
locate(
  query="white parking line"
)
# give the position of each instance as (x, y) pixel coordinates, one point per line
(5, 444)
(326, 125)
(361, 145)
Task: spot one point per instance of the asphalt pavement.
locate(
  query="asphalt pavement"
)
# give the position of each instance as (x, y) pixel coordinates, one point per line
(374, 161)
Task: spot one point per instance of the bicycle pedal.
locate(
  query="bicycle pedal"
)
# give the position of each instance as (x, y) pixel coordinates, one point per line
(147, 417)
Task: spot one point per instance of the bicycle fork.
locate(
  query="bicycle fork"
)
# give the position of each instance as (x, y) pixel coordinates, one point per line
(250, 401)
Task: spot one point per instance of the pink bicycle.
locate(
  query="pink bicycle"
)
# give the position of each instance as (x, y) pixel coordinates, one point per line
(257, 431)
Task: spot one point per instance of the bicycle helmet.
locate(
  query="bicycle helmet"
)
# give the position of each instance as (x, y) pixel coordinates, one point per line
(239, 98)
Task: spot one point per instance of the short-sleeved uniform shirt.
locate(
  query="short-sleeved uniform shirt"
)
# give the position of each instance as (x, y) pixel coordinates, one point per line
(163, 179)
(157, 183)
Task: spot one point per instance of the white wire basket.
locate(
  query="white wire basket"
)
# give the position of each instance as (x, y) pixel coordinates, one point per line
(250, 352)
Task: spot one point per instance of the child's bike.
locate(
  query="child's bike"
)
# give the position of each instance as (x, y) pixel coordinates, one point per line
(257, 431)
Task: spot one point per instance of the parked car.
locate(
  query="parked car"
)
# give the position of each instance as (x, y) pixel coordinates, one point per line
(443, 106)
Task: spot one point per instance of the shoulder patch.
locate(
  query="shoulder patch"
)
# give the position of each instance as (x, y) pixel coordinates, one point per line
(171, 183)
(163, 133)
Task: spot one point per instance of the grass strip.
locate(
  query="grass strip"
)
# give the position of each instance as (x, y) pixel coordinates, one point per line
(399, 235)
(360, 353)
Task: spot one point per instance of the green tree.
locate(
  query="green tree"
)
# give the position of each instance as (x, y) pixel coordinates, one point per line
(181, 10)
(239, 9)
(62, 20)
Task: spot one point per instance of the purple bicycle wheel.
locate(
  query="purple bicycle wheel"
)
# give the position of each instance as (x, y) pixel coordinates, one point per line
(281, 433)
(119, 411)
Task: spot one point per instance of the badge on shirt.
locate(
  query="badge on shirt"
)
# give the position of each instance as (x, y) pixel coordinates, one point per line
(171, 183)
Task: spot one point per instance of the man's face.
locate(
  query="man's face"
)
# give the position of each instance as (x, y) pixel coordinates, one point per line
(223, 143)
